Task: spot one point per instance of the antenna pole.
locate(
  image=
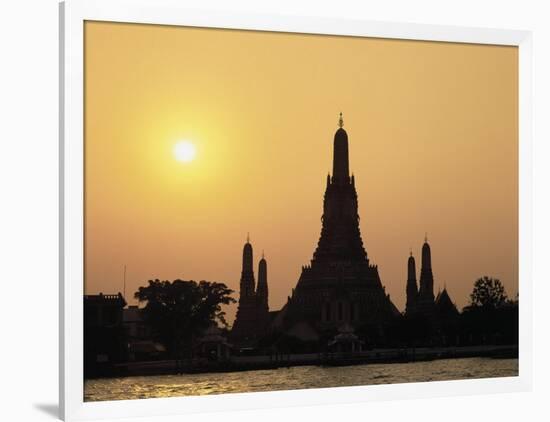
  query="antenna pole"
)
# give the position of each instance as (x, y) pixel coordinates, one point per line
(124, 290)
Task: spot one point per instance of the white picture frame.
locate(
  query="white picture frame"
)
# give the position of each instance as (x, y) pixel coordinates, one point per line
(73, 14)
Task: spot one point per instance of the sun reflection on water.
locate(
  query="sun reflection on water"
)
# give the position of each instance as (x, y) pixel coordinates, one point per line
(299, 377)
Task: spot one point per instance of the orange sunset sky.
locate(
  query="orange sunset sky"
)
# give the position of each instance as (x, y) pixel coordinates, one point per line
(433, 138)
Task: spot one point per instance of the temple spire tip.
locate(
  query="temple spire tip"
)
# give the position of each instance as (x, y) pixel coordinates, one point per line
(341, 121)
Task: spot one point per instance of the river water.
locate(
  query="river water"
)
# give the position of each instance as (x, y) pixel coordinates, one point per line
(297, 377)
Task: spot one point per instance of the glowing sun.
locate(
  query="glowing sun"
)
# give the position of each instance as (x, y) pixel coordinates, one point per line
(184, 151)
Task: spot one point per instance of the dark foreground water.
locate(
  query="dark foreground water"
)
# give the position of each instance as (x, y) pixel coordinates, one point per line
(297, 377)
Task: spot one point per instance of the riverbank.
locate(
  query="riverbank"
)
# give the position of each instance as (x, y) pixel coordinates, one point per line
(248, 363)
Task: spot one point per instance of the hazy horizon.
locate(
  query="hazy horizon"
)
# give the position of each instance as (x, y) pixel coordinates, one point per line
(433, 139)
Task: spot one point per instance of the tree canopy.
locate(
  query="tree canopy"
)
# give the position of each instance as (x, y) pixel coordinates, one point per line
(180, 310)
(488, 293)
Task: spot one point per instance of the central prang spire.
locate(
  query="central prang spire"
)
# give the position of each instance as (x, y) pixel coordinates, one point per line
(340, 239)
(340, 165)
(339, 286)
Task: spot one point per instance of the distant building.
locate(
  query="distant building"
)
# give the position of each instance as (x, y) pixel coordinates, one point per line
(213, 345)
(141, 346)
(134, 322)
(446, 319)
(103, 310)
(104, 334)
(346, 341)
(445, 308)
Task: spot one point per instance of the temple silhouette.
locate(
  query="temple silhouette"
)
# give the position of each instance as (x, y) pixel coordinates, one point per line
(340, 287)
(420, 299)
(252, 320)
(337, 310)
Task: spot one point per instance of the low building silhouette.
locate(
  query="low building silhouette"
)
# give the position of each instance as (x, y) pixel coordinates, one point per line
(104, 333)
(444, 306)
(139, 336)
(213, 345)
(346, 341)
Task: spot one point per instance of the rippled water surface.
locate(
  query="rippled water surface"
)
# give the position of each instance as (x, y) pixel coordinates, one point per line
(297, 377)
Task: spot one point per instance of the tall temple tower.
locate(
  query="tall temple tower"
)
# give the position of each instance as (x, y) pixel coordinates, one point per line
(340, 236)
(262, 293)
(339, 286)
(252, 319)
(426, 290)
(412, 288)
(244, 327)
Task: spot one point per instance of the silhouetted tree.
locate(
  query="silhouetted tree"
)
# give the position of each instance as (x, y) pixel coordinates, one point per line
(488, 293)
(490, 318)
(514, 301)
(180, 310)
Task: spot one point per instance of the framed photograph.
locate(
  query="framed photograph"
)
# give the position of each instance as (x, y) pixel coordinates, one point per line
(262, 211)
